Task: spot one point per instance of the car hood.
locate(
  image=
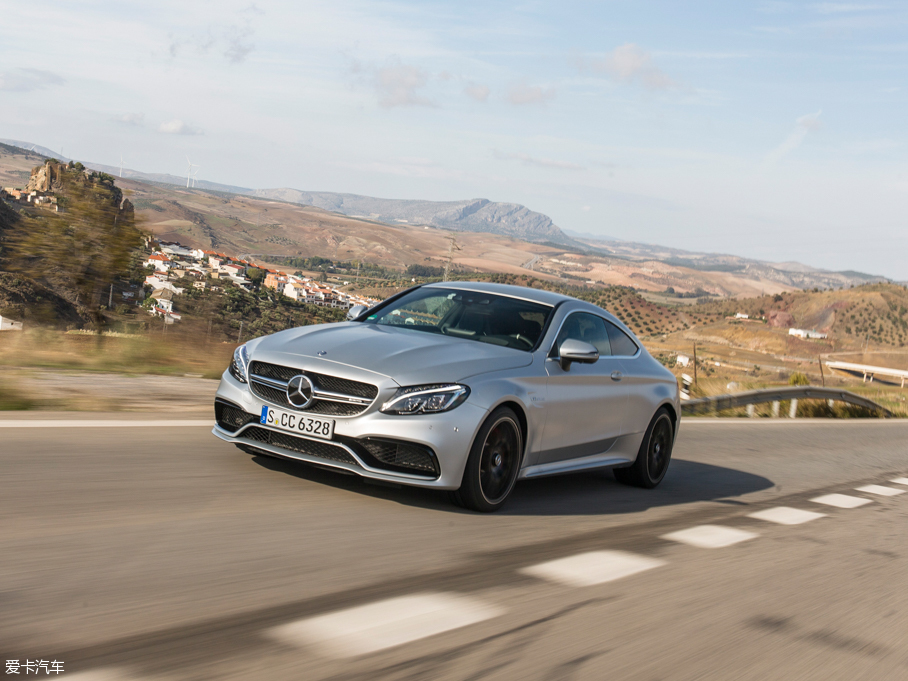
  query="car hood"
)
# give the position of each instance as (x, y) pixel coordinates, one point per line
(405, 356)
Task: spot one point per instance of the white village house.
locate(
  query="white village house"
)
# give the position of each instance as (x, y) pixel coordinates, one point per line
(160, 262)
(806, 333)
(7, 324)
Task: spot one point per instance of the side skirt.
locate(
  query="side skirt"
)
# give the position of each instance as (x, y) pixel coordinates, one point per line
(622, 453)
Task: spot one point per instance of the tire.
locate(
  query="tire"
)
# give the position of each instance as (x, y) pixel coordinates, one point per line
(654, 456)
(493, 464)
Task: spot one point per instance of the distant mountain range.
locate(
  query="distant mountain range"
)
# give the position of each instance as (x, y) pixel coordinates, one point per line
(506, 219)
(789, 274)
(472, 215)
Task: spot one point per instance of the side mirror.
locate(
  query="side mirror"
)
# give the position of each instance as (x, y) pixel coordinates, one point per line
(355, 312)
(573, 350)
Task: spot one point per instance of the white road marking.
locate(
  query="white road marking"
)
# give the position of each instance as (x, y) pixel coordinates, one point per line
(785, 515)
(175, 423)
(710, 536)
(595, 567)
(880, 490)
(900, 481)
(384, 624)
(841, 500)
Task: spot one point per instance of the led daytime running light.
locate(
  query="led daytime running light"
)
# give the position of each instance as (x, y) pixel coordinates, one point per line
(240, 363)
(426, 399)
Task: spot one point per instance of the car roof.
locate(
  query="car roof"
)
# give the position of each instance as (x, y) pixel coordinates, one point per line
(523, 292)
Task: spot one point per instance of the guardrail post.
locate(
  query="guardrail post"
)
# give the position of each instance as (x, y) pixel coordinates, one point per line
(775, 409)
(750, 411)
(793, 410)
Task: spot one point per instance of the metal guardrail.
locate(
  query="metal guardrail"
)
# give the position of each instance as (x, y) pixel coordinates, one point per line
(717, 403)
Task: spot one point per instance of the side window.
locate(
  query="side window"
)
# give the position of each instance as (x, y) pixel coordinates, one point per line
(621, 343)
(587, 328)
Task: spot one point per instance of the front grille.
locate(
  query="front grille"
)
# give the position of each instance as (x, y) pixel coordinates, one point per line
(320, 382)
(266, 392)
(230, 417)
(401, 456)
(329, 383)
(322, 450)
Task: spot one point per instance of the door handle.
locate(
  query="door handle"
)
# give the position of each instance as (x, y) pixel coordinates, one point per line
(617, 376)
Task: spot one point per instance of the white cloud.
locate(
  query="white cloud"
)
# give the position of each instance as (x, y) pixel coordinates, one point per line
(478, 92)
(178, 127)
(233, 39)
(802, 126)
(629, 63)
(530, 94)
(397, 85)
(238, 45)
(528, 160)
(130, 118)
(27, 80)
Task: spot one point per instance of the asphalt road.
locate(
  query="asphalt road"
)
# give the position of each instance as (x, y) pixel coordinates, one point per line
(159, 552)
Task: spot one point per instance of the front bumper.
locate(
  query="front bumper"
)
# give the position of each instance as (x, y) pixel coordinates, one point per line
(448, 435)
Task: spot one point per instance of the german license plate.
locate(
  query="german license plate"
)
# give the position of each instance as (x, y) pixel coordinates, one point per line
(299, 424)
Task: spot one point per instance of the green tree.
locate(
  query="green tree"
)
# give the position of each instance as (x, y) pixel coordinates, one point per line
(255, 275)
(797, 378)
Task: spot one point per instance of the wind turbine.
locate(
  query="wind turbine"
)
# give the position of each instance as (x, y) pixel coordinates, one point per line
(121, 165)
(189, 172)
(195, 174)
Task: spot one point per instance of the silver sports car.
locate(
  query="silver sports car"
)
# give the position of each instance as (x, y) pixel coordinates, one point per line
(458, 386)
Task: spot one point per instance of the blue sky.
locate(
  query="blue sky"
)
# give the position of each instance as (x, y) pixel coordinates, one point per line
(774, 130)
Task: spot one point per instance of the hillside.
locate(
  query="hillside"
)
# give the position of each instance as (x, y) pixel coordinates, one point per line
(474, 215)
(785, 275)
(490, 237)
(60, 258)
(872, 316)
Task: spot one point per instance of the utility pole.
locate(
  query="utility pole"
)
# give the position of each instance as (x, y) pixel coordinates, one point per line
(822, 375)
(695, 364)
(240, 336)
(110, 300)
(208, 335)
(453, 247)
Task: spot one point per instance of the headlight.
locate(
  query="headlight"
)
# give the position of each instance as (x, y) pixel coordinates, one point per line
(239, 364)
(426, 399)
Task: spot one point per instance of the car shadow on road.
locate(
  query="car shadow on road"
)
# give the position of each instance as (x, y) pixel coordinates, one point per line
(599, 493)
(590, 493)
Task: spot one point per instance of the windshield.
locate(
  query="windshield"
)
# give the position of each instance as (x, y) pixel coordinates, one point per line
(483, 317)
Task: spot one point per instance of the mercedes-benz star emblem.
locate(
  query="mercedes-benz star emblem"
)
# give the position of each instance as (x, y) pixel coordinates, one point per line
(299, 391)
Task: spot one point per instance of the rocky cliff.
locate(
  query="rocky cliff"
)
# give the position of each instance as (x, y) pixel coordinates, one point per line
(46, 178)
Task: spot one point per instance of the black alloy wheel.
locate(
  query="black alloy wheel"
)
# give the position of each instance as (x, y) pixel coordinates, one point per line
(654, 455)
(493, 464)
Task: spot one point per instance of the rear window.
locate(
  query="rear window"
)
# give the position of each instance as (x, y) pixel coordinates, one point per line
(621, 343)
